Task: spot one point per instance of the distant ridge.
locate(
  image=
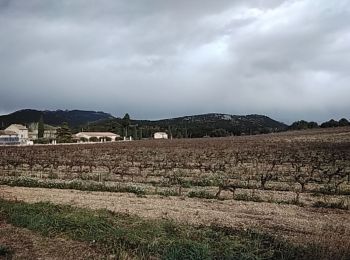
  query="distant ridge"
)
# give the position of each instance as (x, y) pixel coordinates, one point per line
(212, 124)
(74, 118)
(195, 126)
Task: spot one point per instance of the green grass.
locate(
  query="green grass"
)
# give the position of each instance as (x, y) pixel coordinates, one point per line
(331, 205)
(74, 185)
(168, 192)
(93, 186)
(140, 238)
(248, 197)
(201, 194)
(5, 251)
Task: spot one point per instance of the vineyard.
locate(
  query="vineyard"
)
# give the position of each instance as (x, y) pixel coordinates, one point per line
(312, 168)
(294, 185)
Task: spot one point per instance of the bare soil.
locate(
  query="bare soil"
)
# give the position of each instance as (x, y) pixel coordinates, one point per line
(297, 224)
(26, 244)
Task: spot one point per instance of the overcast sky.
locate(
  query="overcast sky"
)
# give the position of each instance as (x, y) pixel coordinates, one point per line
(155, 59)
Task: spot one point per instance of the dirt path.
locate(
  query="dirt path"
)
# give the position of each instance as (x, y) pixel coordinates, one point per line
(293, 222)
(25, 244)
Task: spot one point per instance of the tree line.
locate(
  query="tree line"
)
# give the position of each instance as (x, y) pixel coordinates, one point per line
(302, 124)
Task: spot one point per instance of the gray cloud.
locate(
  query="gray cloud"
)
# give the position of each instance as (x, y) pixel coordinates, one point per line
(157, 58)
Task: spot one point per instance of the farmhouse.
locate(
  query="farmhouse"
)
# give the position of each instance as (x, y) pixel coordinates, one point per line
(8, 137)
(160, 135)
(96, 136)
(21, 130)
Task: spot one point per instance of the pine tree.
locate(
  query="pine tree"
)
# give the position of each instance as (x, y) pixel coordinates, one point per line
(64, 134)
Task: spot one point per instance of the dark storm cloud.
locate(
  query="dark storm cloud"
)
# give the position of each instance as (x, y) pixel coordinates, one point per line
(157, 58)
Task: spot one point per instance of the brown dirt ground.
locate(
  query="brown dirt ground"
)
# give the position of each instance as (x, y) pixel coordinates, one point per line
(26, 244)
(298, 224)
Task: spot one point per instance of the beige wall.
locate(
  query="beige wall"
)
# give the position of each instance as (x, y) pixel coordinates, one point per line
(79, 135)
(22, 133)
(160, 135)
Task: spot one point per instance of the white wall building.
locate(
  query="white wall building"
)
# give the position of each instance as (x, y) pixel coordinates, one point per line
(101, 136)
(160, 135)
(21, 130)
(8, 137)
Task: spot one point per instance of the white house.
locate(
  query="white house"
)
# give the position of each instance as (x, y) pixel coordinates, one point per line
(101, 136)
(8, 137)
(160, 135)
(21, 130)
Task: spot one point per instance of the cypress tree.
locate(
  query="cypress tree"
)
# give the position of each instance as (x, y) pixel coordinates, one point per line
(41, 127)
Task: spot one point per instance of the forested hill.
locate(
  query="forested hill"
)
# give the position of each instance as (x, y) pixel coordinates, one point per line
(74, 118)
(195, 126)
(217, 125)
(213, 124)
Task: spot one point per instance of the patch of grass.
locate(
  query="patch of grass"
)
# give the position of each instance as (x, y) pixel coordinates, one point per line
(5, 251)
(203, 182)
(331, 190)
(74, 185)
(185, 184)
(121, 233)
(168, 192)
(187, 249)
(288, 202)
(201, 194)
(248, 197)
(331, 205)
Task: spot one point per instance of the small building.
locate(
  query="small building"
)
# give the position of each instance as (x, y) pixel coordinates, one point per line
(21, 130)
(96, 136)
(160, 135)
(8, 138)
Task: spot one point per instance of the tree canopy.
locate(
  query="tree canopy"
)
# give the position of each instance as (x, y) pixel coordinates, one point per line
(64, 134)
